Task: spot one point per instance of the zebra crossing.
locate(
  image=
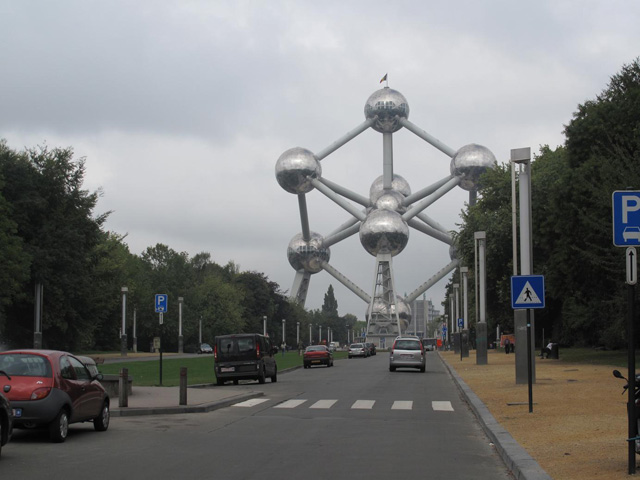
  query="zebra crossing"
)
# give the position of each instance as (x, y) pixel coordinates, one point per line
(325, 404)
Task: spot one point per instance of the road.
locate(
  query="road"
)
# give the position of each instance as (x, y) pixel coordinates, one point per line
(355, 420)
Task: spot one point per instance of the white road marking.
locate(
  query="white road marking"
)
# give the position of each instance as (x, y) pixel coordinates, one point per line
(442, 406)
(323, 404)
(363, 404)
(290, 403)
(402, 405)
(251, 402)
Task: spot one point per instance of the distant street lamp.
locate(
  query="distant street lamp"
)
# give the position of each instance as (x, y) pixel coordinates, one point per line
(264, 325)
(180, 337)
(283, 324)
(123, 332)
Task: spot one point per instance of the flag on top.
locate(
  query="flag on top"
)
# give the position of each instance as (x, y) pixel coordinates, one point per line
(384, 79)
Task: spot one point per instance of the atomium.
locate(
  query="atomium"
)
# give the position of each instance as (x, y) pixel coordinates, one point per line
(384, 231)
(382, 219)
(386, 106)
(307, 255)
(470, 162)
(296, 168)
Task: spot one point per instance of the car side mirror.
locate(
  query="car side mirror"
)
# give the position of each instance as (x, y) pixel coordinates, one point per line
(98, 377)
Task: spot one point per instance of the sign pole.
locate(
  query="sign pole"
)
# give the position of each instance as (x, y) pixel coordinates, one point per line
(529, 366)
(631, 402)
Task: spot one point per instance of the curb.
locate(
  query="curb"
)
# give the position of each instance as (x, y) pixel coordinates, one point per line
(202, 408)
(518, 461)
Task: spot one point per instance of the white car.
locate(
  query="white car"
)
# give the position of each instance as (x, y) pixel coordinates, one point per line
(631, 233)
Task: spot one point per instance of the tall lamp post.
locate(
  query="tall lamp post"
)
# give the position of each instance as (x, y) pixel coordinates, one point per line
(481, 298)
(135, 338)
(310, 337)
(180, 337)
(283, 324)
(123, 332)
(264, 325)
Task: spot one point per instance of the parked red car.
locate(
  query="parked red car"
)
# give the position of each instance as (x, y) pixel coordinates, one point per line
(317, 355)
(52, 389)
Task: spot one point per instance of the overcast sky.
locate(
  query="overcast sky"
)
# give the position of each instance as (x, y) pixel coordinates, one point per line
(182, 108)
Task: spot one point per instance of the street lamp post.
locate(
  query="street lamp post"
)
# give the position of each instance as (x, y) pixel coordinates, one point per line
(310, 337)
(283, 324)
(298, 335)
(319, 334)
(525, 348)
(264, 325)
(123, 333)
(456, 316)
(135, 338)
(481, 299)
(180, 337)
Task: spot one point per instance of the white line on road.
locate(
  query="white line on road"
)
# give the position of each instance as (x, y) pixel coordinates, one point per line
(290, 404)
(442, 406)
(251, 402)
(402, 405)
(363, 404)
(323, 404)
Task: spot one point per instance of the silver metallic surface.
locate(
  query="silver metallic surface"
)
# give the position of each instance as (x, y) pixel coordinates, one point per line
(470, 162)
(391, 200)
(388, 105)
(398, 184)
(384, 231)
(403, 310)
(296, 168)
(307, 255)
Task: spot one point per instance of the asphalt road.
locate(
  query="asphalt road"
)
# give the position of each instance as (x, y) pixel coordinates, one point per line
(355, 420)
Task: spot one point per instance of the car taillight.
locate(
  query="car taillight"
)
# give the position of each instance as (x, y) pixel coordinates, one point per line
(257, 351)
(215, 352)
(40, 393)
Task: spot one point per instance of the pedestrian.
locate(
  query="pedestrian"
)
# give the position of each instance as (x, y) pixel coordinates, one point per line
(507, 346)
(283, 347)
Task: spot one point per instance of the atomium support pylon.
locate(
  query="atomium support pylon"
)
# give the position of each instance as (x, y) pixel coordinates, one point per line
(382, 219)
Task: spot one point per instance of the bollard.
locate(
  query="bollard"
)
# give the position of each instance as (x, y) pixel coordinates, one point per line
(123, 385)
(183, 385)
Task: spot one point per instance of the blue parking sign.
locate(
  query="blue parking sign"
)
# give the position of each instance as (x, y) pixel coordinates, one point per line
(626, 217)
(161, 302)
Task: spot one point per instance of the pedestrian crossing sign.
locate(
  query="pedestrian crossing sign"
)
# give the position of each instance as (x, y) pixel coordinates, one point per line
(527, 291)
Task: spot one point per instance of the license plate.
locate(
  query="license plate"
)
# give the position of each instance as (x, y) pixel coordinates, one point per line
(315, 361)
(407, 356)
(17, 412)
(228, 369)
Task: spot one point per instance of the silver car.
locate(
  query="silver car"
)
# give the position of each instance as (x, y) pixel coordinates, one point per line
(407, 352)
(358, 350)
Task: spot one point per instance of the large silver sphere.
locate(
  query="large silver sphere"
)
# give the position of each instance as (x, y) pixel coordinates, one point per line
(307, 255)
(380, 312)
(391, 200)
(453, 252)
(404, 313)
(388, 105)
(470, 162)
(296, 168)
(398, 183)
(384, 231)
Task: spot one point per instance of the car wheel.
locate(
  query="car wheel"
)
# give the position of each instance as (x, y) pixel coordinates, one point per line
(261, 378)
(59, 428)
(0, 437)
(392, 369)
(219, 381)
(274, 378)
(422, 369)
(101, 422)
(235, 382)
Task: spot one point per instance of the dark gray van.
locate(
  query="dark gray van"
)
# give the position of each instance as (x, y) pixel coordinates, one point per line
(245, 356)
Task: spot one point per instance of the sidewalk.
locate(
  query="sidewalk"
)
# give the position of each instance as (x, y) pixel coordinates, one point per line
(166, 400)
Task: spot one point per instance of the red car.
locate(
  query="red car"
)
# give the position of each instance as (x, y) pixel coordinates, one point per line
(52, 389)
(317, 355)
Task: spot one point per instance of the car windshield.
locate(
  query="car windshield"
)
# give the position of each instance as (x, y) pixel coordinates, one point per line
(315, 349)
(26, 365)
(356, 345)
(407, 345)
(205, 345)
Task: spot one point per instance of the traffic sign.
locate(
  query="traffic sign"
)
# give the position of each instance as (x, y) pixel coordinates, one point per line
(626, 217)
(460, 322)
(632, 266)
(527, 291)
(161, 302)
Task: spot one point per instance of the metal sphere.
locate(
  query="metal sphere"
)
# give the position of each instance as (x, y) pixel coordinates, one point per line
(307, 255)
(453, 252)
(404, 313)
(380, 312)
(387, 105)
(296, 168)
(391, 200)
(470, 162)
(398, 183)
(384, 231)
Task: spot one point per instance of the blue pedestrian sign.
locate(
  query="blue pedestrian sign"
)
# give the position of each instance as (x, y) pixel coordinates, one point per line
(527, 291)
(626, 218)
(161, 302)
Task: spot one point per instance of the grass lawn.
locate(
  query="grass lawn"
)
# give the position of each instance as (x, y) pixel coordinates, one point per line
(199, 369)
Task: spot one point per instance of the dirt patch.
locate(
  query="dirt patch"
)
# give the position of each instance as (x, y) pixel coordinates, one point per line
(578, 427)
